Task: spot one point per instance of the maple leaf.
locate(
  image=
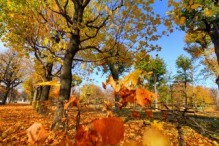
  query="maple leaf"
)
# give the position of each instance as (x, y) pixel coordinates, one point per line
(132, 77)
(113, 83)
(111, 129)
(143, 96)
(73, 99)
(136, 114)
(37, 134)
(156, 125)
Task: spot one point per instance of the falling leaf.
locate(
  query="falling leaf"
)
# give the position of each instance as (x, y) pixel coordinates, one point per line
(73, 99)
(154, 137)
(143, 96)
(131, 77)
(50, 83)
(113, 83)
(36, 134)
(156, 125)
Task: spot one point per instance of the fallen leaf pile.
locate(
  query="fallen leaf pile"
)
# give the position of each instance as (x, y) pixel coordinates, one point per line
(18, 123)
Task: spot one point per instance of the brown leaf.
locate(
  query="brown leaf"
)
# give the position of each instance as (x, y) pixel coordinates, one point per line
(37, 134)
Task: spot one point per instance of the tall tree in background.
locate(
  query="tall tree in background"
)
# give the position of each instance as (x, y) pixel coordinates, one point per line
(184, 65)
(158, 68)
(28, 34)
(199, 18)
(12, 69)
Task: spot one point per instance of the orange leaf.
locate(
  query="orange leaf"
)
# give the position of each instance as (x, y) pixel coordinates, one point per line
(136, 114)
(111, 130)
(73, 99)
(37, 134)
(143, 96)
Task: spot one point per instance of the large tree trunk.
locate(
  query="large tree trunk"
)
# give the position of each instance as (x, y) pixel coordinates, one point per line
(5, 96)
(214, 34)
(46, 89)
(180, 134)
(114, 69)
(65, 80)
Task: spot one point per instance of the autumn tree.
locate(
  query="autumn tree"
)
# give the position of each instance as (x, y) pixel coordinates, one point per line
(184, 66)
(11, 71)
(157, 67)
(32, 38)
(81, 28)
(199, 19)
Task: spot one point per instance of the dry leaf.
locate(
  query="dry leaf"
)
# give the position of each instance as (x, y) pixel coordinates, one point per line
(36, 134)
(143, 97)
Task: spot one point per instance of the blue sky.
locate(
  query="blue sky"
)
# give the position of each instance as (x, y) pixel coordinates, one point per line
(172, 48)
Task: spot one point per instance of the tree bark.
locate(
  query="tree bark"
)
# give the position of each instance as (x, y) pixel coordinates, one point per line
(156, 99)
(5, 96)
(185, 92)
(180, 135)
(214, 34)
(114, 69)
(46, 89)
(65, 80)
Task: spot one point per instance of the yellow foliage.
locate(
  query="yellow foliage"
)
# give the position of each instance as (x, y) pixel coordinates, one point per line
(132, 77)
(207, 12)
(52, 83)
(154, 137)
(182, 20)
(195, 6)
(156, 125)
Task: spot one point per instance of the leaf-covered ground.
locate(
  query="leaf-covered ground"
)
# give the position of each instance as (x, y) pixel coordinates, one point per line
(15, 119)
